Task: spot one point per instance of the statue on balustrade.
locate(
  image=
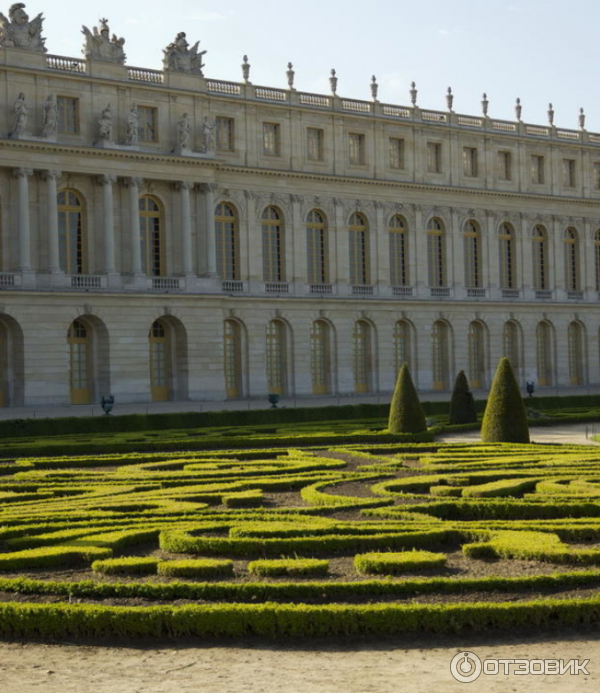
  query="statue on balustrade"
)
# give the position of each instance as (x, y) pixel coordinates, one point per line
(105, 125)
(18, 32)
(184, 131)
(133, 127)
(50, 117)
(100, 46)
(179, 57)
(21, 114)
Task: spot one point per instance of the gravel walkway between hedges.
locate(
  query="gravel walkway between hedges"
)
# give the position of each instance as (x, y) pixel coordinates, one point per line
(575, 434)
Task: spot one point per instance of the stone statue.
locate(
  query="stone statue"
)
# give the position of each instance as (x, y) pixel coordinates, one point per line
(183, 131)
(105, 125)
(100, 46)
(208, 140)
(179, 57)
(133, 127)
(18, 32)
(50, 117)
(21, 114)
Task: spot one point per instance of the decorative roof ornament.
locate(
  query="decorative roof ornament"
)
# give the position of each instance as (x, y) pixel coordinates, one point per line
(485, 105)
(450, 99)
(18, 32)
(333, 81)
(246, 70)
(518, 109)
(100, 46)
(413, 93)
(179, 57)
(551, 114)
(581, 119)
(290, 74)
(374, 88)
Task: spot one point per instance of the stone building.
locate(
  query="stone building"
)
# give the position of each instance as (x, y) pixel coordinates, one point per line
(166, 236)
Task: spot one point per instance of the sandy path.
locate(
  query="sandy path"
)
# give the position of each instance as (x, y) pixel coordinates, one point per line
(574, 434)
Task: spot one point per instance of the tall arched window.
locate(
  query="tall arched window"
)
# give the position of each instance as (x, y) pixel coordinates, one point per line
(226, 230)
(436, 253)
(545, 349)
(511, 345)
(316, 248)
(4, 366)
(320, 357)
(276, 358)
(80, 347)
(402, 345)
(597, 258)
(272, 246)
(576, 353)
(540, 258)
(71, 233)
(572, 282)
(160, 361)
(151, 236)
(360, 272)
(477, 354)
(398, 251)
(233, 358)
(472, 237)
(508, 258)
(363, 357)
(441, 355)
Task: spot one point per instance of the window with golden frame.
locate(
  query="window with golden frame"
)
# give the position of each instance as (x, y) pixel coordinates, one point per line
(68, 115)
(402, 345)
(81, 378)
(504, 165)
(148, 128)
(434, 157)
(540, 258)
(151, 236)
(470, 162)
(476, 355)
(276, 358)
(472, 240)
(227, 239)
(225, 129)
(71, 232)
(356, 148)
(316, 240)
(396, 152)
(575, 336)
(233, 358)
(271, 139)
(510, 345)
(359, 250)
(571, 243)
(320, 357)
(508, 276)
(398, 235)
(160, 361)
(441, 355)
(544, 348)
(363, 359)
(315, 144)
(597, 258)
(436, 253)
(272, 245)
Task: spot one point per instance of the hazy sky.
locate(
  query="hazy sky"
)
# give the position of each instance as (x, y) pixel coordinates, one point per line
(539, 50)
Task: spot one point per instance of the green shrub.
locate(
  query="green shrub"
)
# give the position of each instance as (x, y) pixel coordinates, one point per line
(397, 563)
(406, 414)
(290, 567)
(52, 557)
(462, 404)
(130, 565)
(245, 499)
(505, 418)
(200, 568)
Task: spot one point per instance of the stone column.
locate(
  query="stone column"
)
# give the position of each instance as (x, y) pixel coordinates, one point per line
(209, 190)
(106, 181)
(22, 175)
(134, 223)
(184, 188)
(52, 213)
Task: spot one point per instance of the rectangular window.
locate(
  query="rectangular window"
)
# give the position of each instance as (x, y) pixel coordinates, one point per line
(148, 131)
(470, 162)
(596, 174)
(537, 169)
(271, 139)
(314, 144)
(396, 153)
(68, 114)
(568, 173)
(504, 165)
(356, 144)
(225, 134)
(434, 157)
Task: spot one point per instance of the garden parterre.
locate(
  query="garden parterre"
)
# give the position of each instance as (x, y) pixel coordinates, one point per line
(371, 538)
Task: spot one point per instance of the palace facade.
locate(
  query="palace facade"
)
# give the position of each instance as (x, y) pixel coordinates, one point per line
(167, 236)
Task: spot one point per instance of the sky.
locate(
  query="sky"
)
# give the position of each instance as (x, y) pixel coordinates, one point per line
(539, 50)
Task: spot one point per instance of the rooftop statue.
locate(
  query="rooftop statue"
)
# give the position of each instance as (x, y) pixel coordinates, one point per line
(179, 57)
(18, 32)
(100, 46)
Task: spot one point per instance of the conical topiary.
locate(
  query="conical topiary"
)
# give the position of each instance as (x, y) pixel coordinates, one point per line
(505, 418)
(462, 404)
(406, 413)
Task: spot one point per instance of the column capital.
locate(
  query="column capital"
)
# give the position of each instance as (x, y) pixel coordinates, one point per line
(133, 182)
(50, 175)
(184, 185)
(209, 187)
(106, 179)
(22, 172)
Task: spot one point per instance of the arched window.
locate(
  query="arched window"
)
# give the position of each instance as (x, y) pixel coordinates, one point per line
(511, 345)
(441, 355)
(160, 361)
(276, 358)
(272, 245)
(71, 233)
(540, 258)
(398, 251)
(572, 282)
(477, 355)
(576, 353)
(545, 347)
(316, 248)
(360, 272)
(151, 236)
(363, 357)
(320, 357)
(233, 358)
(472, 236)
(436, 253)
(226, 230)
(597, 258)
(508, 258)
(402, 345)
(80, 347)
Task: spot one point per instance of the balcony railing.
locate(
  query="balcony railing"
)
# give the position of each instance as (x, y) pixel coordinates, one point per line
(511, 293)
(9, 279)
(575, 295)
(86, 281)
(233, 286)
(362, 290)
(402, 291)
(321, 289)
(165, 283)
(141, 74)
(476, 293)
(60, 62)
(277, 288)
(439, 292)
(543, 295)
